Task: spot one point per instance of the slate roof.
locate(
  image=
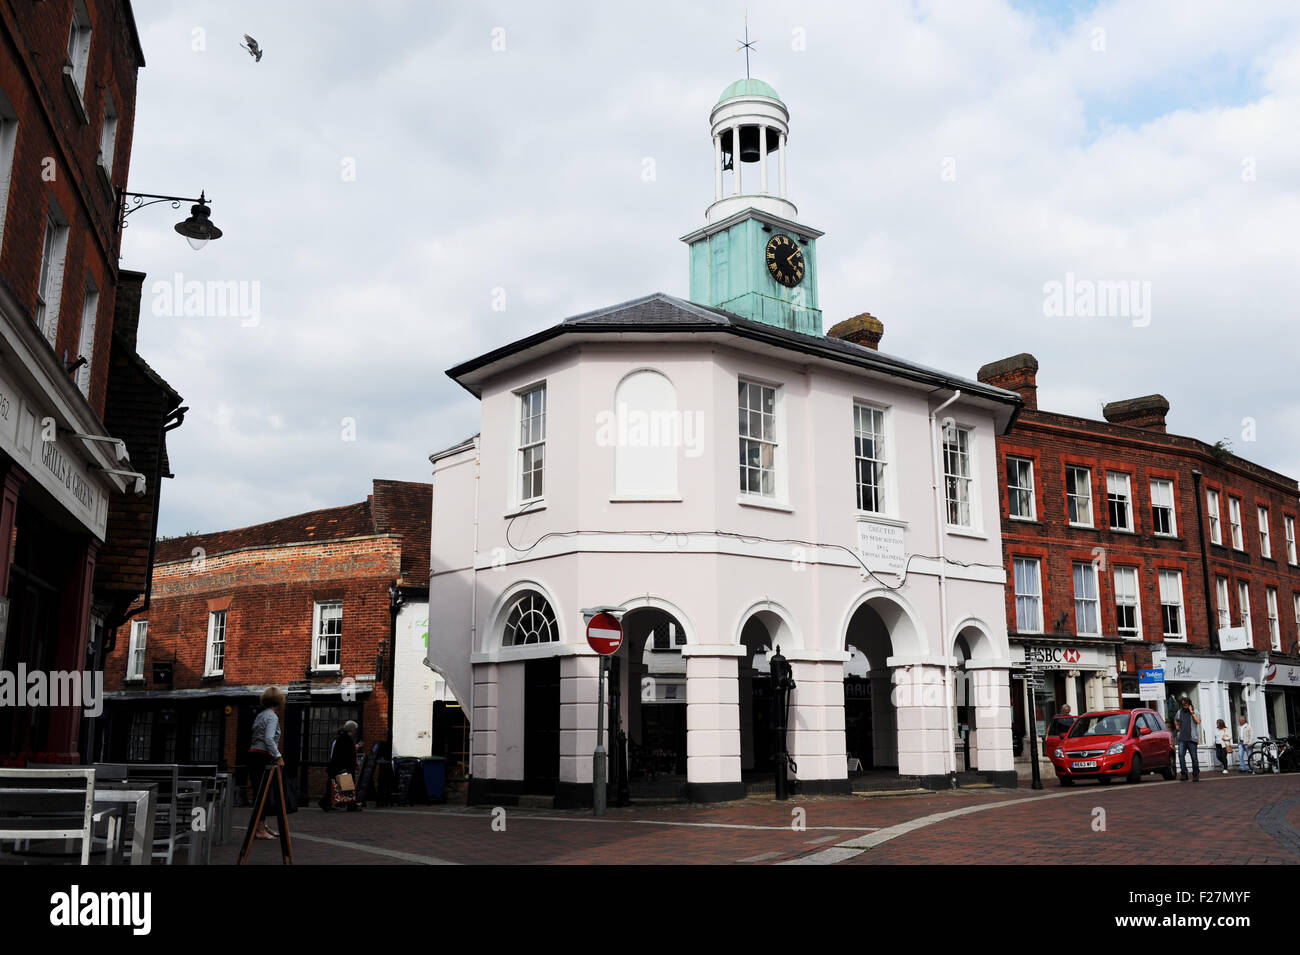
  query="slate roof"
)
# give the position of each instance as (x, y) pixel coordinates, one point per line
(659, 312)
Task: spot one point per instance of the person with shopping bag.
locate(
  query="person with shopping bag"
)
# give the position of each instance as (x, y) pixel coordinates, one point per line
(341, 771)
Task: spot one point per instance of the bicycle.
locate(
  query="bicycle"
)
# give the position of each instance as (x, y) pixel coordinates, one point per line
(1271, 755)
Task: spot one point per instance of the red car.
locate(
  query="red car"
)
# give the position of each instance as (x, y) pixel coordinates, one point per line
(1110, 743)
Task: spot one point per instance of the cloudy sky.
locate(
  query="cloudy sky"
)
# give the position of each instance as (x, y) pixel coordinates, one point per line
(390, 169)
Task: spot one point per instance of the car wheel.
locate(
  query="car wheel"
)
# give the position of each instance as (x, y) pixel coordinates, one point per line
(1168, 772)
(1135, 771)
(1065, 780)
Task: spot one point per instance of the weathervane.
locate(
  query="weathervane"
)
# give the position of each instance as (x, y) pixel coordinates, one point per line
(746, 45)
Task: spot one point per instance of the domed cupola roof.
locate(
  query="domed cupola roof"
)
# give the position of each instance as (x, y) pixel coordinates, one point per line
(748, 87)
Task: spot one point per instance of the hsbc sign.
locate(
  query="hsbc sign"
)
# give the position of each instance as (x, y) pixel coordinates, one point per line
(1044, 655)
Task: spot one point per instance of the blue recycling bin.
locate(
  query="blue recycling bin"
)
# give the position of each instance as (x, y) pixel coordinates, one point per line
(434, 771)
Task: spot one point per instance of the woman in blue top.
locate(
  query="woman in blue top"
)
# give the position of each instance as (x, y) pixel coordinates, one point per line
(264, 751)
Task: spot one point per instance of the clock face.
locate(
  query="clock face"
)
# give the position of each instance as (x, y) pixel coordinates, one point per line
(784, 260)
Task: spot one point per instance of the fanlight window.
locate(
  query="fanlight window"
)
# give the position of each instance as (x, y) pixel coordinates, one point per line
(531, 620)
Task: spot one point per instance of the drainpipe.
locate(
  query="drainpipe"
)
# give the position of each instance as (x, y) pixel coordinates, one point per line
(473, 619)
(943, 590)
(1213, 630)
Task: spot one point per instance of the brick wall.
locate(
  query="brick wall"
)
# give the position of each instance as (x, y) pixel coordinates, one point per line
(55, 159)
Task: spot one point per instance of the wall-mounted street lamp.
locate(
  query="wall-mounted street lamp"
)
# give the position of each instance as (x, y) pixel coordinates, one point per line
(197, 229)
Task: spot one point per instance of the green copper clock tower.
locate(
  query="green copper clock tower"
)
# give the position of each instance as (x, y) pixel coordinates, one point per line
(752, 257)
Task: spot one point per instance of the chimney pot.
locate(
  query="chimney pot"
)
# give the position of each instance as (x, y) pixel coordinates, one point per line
(1146, 412)
(1019, 373)
(865, 330)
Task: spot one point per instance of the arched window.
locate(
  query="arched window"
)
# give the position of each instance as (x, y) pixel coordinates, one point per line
(648, 436)
(530, 620)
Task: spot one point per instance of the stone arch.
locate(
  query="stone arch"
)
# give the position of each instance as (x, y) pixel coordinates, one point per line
(907, 637)
(668, 607)
(781, 626)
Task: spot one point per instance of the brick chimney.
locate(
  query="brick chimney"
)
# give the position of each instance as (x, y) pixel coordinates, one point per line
(864, 329)
(1019, 373)
(126, 305)
(1147, 412)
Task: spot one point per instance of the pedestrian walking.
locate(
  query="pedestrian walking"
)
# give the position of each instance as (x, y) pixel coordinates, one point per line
(264, 751)
(1189, 737)
(1223, 743)
(1245, 736)
(340, 787)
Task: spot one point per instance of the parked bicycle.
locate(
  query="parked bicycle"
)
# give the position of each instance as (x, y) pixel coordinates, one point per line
(1273, 755)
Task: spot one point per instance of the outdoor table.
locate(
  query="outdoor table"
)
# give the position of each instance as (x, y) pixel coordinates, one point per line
(139, 798)
(189, 795)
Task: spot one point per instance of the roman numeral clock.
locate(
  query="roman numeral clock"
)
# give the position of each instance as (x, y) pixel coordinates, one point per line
(753, 257)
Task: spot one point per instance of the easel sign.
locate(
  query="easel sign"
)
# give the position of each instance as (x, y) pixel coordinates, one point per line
(259, 811)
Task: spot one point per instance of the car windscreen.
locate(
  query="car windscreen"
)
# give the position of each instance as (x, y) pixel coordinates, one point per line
(1110, 724)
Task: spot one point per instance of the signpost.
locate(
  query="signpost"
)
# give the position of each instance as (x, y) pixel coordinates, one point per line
(605, 636)
(1034, 680)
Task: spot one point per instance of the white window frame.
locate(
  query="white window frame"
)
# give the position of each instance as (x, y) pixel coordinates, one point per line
(49, 277)
(1234, 521)
(1212, 508)
(1127, 500)
(1076, 499)
(1289, 523)
(136, 649)
(1274, 621)
(878, 462)
(1034, 599)
(108, 135)
(1125, 599)
(530, 442)
(1085, 602)
(1172, 578)
(86, 347)
(1224, 601)
(1243, 610)
(8, 143)
(774, 441)
(1163, 484)
(324, 611)
(78, 52)
(1295, 597)
(217, 620)
(1015, 490)
(1265, 533)
(956, 480)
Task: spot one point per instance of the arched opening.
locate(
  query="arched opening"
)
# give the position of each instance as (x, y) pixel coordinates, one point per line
(650, 673)
(870, 720)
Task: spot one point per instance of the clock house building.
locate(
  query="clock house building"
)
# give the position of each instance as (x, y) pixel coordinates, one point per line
(730, 480)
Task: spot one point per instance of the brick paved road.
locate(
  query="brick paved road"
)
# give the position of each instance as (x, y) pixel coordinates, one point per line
(1232, 820)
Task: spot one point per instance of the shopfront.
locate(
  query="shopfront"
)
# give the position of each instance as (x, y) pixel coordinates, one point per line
(1079, 675)
(54, 496)
(1282, 699)
(1219, 688)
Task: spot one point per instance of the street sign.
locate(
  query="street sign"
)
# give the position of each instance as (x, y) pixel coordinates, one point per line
(604, 634)
(1151, 684)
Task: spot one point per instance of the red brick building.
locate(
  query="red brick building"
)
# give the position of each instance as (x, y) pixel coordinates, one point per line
(82, 418)
(1121, 547)
(306, 601)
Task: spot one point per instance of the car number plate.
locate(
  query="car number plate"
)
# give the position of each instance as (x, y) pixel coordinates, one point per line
(1084, 764)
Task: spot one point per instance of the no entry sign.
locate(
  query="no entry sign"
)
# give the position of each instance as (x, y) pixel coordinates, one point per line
(604, 634)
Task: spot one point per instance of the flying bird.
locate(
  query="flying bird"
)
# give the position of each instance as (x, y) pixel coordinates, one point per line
(253, 49)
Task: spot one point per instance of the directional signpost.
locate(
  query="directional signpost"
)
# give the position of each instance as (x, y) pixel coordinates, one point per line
(605, 636)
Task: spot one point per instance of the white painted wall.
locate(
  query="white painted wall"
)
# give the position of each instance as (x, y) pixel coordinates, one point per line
(627, 552)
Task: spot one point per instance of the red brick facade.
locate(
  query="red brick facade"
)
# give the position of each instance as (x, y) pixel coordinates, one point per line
(268, 580)
(1134, 442)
